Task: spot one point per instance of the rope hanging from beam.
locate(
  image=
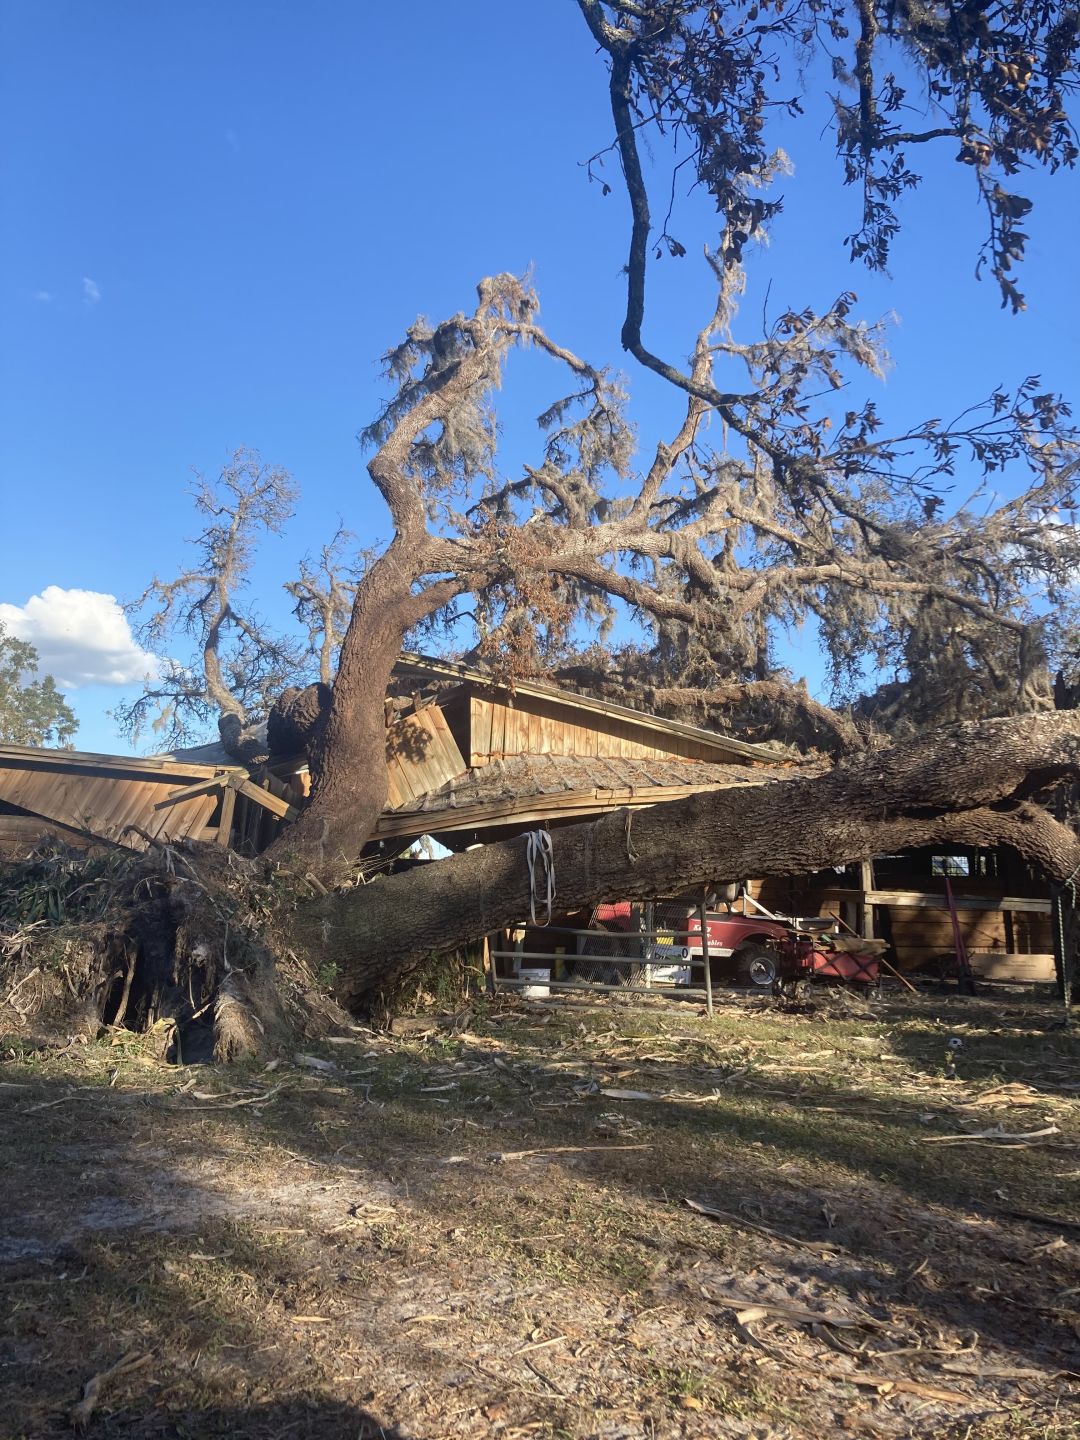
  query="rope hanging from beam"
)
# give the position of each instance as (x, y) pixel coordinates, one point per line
(538, 849)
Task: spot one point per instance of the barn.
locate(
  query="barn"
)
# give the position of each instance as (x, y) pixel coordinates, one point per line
(471, 759)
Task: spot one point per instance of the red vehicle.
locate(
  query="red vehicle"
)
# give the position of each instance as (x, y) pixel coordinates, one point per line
(749, 949)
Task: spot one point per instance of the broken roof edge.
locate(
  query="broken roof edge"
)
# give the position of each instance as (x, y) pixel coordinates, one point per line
(166, 765)
(455, 670)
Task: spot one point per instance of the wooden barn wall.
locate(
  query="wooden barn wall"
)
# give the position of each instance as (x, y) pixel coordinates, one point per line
(20, 833)
(105, 803)
(1003, 942)
(421, 755)
(536, 727)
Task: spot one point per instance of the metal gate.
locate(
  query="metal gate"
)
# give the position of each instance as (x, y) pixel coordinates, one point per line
(660, 947)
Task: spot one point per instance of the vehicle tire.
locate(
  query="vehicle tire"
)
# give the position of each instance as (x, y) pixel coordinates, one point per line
(756, 966)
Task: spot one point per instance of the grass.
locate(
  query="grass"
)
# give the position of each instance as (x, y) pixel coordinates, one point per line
(380, 1248)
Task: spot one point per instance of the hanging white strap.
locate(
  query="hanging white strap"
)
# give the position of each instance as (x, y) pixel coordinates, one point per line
(538, 848)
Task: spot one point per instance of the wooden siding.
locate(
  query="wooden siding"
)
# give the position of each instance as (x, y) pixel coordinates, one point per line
(104, 801)
(538, 726)
(19, 834)
(582, 709)
(421, 755)
(1026, 969)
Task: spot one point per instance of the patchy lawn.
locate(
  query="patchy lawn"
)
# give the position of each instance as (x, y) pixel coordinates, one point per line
(568, 1218)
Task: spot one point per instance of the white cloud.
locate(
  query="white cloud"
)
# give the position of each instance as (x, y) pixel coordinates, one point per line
(43, 295)
(82, 638)
(91, 291)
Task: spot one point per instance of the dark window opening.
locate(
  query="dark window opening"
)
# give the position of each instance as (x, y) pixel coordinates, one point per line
(950, 865)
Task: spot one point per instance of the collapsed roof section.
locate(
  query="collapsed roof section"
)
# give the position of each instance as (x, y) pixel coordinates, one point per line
(471, 754)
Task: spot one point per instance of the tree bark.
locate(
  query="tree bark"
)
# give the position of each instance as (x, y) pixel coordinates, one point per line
(348, 753)
(971, 787)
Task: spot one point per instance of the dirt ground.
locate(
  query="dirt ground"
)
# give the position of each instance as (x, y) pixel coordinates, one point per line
(565, 1218)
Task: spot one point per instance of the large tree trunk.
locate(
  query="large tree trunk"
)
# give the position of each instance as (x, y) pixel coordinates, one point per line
(348, 754)
(968, 787)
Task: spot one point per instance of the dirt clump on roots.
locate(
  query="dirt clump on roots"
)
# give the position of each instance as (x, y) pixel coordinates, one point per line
(178, 942)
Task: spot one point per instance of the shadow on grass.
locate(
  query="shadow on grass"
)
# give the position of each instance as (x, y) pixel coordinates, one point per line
(907, 1221)
(107, 1252)
(108, 1261)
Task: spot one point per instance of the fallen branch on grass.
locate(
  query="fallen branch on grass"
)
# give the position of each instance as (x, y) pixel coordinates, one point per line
(501, 1155)
(886, 1383)
(742, 1222)
(80, 1414)
(248, 1100)
(997, 1134)
(749, 1309)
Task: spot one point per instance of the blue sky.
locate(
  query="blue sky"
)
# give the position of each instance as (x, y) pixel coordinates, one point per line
(216, 217)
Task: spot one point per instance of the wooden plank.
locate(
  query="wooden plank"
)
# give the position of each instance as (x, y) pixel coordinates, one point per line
(223, 835)
(445, 753)
(586, 742)
(865, 908)
(497, 729)
(281, 808)
(135, 766)
(928, 900)
(200, 787)
(517, 732)
(996, 965)
(480, 729)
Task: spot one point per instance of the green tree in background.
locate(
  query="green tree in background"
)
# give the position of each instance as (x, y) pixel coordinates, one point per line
(32, 712)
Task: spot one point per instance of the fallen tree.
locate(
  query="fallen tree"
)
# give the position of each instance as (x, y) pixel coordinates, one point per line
(217, 955)
(776, 498)
(973, 785)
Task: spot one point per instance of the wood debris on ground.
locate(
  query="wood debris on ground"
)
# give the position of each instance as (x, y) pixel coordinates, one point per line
(597, 1220)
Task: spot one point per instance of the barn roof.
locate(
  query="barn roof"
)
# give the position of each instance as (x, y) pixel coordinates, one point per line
(428, 668)
(524, 788)
(77, 794)
(557, 755)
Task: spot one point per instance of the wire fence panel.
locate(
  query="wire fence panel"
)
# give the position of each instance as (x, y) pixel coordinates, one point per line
(626, 947)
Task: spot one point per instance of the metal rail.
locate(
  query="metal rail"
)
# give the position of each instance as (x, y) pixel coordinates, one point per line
(583, 987)
(601, 959)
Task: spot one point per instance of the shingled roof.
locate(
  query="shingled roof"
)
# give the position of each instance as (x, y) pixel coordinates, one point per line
(528, 787)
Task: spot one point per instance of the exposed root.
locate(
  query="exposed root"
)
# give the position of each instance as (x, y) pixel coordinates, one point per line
(177, 941)
(238, 1031)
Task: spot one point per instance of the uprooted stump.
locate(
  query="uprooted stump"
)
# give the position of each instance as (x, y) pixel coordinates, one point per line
(176, 941)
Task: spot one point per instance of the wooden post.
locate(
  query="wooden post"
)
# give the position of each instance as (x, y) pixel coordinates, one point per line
(489, 967)
(705, 956)
(228, 806)
(866, 911)
(650, 944)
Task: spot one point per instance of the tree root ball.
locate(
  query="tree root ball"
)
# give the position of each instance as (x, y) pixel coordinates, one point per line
(172, 943)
